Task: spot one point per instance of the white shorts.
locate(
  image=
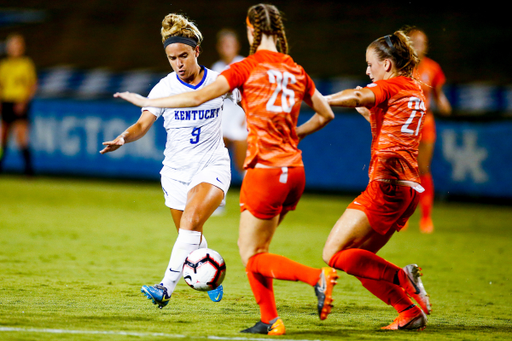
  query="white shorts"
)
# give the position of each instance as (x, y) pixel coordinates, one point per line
(234, 126)
(175, 191)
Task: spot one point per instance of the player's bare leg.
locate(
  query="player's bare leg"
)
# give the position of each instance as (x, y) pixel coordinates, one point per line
(5, 128)
(262, 267)
(201, 202)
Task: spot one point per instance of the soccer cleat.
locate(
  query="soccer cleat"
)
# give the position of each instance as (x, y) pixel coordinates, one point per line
(413, 318)
(275, 327)
(157, 294)
(216, 294)
(413, 286)
(426, 225)
(323, 291)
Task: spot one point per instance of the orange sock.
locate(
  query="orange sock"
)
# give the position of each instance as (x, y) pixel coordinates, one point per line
(263, 290)
(279, 267)
(365, 264)
(390, 294)
(263, 268)
(427, 197)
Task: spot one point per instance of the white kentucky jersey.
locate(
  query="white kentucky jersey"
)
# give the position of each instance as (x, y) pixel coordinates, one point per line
(194, 135)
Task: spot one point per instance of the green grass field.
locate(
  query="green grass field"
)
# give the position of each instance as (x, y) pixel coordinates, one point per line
(74, 254)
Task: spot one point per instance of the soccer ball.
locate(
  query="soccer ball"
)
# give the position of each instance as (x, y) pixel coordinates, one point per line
(204, 269)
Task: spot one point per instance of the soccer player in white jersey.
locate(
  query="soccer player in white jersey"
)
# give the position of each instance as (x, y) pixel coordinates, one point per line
(196, 169)
(234, 127)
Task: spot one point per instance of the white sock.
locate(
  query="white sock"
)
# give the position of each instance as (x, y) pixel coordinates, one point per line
(186, 242)
(204, 244)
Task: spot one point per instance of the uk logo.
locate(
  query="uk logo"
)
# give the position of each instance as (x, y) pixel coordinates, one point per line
(466, 158)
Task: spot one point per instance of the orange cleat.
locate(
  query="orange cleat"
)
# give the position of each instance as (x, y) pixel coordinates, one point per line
(323, 291)
(275, 327)
(426, 225)
(410, 319)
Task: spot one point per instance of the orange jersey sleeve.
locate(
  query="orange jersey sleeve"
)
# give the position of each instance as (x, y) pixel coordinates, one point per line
(273, 87)
(396, 120)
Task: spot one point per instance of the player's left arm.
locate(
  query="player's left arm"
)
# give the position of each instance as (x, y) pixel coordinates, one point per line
(188, 99)
(359, 98)
(323, 115)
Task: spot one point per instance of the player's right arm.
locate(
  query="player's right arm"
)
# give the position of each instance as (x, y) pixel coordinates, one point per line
(188, 99)
(443, 105)
(133, 133)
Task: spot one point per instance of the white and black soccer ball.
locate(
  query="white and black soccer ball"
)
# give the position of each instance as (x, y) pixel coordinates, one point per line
(204, 269)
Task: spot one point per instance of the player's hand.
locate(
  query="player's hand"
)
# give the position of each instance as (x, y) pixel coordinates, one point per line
(133, 98)
(110, 146)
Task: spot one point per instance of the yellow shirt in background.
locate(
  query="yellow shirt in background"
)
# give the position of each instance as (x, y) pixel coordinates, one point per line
(17, 79)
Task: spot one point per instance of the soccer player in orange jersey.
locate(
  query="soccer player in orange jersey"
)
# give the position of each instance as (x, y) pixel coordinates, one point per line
(432, 79)
(395, 107)
(273, 87)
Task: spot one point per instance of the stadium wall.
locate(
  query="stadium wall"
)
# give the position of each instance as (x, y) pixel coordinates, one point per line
(471, 158)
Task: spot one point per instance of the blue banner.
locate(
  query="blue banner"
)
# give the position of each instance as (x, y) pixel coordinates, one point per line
(473, 158)
(470, 158)
(66, 137)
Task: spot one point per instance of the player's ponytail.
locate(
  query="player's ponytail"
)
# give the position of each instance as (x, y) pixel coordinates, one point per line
(266, 19)
(176, 25)
(397, 47)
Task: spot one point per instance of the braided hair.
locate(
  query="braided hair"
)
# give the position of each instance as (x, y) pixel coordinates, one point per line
(266, 19)
(399, 48)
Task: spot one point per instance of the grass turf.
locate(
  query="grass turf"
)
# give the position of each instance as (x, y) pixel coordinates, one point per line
(74, 254)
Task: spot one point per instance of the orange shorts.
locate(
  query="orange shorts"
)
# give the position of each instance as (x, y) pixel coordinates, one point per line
(386, 205)
(267, 192)
(428, 131)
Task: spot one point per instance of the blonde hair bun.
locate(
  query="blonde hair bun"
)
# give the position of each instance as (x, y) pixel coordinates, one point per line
(178, 25)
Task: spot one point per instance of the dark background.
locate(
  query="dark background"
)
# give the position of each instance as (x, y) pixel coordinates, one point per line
(328, 38)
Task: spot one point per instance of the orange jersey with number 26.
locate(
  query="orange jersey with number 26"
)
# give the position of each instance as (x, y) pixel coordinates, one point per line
(273, 87)
(396, 121)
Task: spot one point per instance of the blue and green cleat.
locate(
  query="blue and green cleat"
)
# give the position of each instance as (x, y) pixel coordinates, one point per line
(157, 294)
(216, 294)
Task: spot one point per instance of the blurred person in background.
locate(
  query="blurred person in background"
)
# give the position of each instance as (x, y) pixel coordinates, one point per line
(18, 84)
(273, 87)
(196, 172)
(395, 106)
(432, 79)
(234, 127)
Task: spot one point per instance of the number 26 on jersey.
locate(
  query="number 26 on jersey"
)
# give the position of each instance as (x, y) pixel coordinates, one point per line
(282, 80)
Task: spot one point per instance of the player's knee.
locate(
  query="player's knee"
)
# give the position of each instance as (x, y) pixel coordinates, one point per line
(242, 250)
(248, 249)
(192, 222)
(327, 255)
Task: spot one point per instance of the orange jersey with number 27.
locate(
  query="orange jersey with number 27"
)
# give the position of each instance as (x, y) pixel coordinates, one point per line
(396, 121)
(273, 87)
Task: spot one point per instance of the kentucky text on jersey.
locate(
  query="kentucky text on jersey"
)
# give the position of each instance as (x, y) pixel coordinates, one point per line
(192, 115)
